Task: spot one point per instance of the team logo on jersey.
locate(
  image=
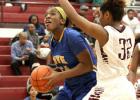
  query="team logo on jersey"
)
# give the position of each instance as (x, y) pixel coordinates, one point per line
(97, 93)
(60, 61)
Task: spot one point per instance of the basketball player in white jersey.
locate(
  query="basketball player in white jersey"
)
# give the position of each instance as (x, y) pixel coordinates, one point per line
(114, 48)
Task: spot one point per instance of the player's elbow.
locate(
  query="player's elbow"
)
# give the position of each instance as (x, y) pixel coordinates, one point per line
(88, 66)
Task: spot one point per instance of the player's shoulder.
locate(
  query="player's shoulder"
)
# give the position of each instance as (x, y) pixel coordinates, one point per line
(125, 28)
(72, 32)
(109, 29)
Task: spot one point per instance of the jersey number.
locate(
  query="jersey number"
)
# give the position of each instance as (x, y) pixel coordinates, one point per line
(125, 49)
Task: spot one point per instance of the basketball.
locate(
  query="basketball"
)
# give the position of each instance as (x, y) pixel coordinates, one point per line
(37, 74)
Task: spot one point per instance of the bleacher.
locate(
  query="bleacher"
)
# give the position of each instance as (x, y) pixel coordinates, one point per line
(13, 14)
(14, 87)
(11, 87)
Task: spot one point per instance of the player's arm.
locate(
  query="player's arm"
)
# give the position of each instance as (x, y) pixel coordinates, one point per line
(92, 29)
(85, 65)
(134, 64)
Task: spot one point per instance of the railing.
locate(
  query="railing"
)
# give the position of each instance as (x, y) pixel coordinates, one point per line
(3, 2)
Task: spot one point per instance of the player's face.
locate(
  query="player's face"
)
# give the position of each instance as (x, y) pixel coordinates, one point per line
(52, 20)
(105, 18)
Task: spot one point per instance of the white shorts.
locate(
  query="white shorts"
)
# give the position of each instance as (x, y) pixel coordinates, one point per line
(114, 89)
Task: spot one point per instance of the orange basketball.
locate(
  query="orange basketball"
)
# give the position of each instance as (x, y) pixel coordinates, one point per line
(36, 76)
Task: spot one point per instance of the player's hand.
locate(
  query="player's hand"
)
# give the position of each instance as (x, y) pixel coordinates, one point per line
(131, 77)
(55, 79)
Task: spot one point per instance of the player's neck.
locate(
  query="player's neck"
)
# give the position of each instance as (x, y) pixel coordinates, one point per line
(116, 25)
(57, 33)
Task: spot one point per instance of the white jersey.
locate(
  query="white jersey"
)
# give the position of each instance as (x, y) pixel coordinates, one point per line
(113, 58)
(112, 67)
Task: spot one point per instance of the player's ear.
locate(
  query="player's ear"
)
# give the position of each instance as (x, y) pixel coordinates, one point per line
(62, 21)
(107, 15)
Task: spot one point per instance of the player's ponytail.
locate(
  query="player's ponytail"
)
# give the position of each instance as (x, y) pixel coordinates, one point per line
(118, 3)
(115, 7)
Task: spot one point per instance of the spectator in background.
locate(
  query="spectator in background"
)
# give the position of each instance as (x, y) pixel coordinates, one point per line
(45, 41)
(33, 19)
(32, 94)
(22, 52)
(96, 14)
(32, 35)
(44, 48)
(130, 19)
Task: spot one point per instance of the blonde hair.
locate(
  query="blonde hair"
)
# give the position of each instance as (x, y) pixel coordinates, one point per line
(22, 34)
